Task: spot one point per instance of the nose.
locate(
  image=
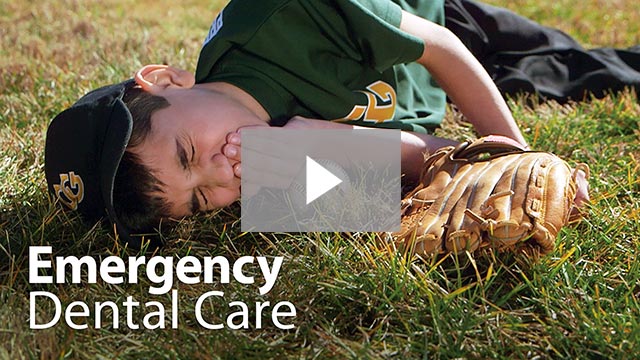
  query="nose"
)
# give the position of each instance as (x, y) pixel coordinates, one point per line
(215, 171)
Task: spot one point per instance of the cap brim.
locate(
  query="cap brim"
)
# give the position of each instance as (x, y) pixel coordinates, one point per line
(84, 147)
(115, 144)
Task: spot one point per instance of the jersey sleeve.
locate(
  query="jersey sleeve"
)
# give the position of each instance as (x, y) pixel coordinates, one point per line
(374, 26)
(314, 58)
(367, 30)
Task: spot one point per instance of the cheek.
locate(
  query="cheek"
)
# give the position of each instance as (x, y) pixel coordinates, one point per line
(211, 137)
(220, 172)
(223, 197)
(179, 201)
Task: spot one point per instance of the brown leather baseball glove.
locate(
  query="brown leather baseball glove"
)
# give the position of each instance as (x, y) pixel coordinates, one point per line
(488, 193)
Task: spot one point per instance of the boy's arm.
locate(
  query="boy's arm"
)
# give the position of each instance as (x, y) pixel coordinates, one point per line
(463, 78)
(414, 146)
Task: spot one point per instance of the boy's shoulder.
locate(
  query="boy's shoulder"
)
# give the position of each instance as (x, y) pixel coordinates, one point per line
(241, 18)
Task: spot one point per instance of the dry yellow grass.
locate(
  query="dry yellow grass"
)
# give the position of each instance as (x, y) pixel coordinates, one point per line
(354, 300)
(595, 23)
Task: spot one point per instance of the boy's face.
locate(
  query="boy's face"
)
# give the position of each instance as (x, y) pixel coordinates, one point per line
(184, 149)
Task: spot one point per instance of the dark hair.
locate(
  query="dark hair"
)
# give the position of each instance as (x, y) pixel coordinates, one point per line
(137, 192)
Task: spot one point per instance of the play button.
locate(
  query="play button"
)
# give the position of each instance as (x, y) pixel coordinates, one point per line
(326, 180)
(319, 180)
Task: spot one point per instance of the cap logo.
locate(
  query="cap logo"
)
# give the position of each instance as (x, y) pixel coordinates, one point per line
(70, 191)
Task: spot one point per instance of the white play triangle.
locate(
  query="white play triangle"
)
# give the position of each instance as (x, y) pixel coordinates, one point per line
(319, 180)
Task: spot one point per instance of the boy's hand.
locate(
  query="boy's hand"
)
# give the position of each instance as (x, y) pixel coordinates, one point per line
(234, 140)
(275, 172)
(232, 151)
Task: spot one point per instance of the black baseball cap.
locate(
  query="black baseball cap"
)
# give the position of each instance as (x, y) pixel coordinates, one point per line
(83, 149)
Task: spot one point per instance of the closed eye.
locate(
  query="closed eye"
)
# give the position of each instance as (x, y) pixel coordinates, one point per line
(182, 155)
(206, 202)
(185, 161)
(195, 205)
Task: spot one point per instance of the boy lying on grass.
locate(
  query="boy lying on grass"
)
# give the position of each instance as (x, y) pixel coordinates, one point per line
(165, 144)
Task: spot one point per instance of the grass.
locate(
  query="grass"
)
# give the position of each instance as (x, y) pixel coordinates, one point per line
(354, 298)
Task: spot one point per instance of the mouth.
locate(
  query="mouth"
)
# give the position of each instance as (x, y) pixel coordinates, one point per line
(223, 169)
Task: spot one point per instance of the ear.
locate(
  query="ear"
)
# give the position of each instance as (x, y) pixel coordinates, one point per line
(155, 78)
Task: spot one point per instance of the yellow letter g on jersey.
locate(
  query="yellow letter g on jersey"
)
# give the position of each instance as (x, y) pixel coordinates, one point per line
(70, 191)
(381, 104)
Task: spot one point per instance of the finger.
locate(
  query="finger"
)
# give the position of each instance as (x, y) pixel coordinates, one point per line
(266, 178)
(234, 138)
(270, 141)
(232, 152)
(265, 163)
(270, 181)
(237, 170)
(582, 191)
(580, 177)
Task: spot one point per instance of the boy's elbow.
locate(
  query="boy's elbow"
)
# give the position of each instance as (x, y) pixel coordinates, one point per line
(440, 47)
(437, 39)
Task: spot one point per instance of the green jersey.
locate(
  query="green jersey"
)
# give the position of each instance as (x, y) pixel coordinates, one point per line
(343, 60)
